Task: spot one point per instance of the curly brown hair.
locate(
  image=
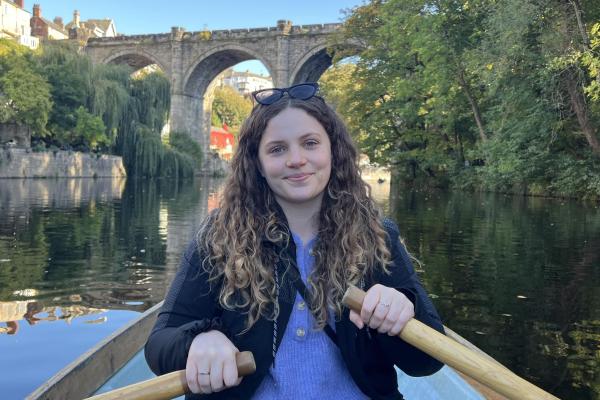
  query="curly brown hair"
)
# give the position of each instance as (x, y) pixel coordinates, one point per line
(351, 239)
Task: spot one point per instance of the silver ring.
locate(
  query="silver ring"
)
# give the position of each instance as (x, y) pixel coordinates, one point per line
(203, 373)
(381, 303)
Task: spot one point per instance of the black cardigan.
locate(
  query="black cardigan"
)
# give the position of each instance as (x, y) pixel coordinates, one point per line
(191, 307)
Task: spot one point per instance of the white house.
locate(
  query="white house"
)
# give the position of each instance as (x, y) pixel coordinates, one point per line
(14, 23)
(84, 30)
(245, 82)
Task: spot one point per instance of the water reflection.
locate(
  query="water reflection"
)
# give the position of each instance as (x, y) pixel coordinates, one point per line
(113, 248)
(75, 251)
(20, 194)
(516, 276)
(12, 314)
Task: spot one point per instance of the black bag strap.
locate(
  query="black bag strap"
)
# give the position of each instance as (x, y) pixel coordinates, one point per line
(306, 296)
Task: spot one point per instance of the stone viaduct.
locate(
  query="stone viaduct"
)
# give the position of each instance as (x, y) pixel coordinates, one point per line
(191, 61)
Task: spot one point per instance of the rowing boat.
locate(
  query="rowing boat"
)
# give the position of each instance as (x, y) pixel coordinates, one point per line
(119, 361)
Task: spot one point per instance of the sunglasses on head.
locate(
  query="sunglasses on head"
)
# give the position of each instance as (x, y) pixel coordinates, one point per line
(302, 91)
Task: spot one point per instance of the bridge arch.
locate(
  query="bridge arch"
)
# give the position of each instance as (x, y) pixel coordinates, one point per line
(191, 105)
(317, 60)
(137, 59)
(312, 65)
(214, 61)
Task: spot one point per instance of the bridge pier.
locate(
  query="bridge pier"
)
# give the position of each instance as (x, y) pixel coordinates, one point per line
(187, 115)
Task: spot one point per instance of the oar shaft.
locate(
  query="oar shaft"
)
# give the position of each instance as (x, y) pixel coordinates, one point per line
(459, 357)
(170, 385)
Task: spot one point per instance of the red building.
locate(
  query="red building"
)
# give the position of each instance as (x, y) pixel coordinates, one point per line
(221, 141)
(42, 28)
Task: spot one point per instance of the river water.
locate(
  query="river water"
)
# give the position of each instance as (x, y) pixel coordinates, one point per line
(518, 277)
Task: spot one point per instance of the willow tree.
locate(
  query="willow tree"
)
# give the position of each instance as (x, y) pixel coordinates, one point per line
(110, 96)
(70, 77)
(138, 133)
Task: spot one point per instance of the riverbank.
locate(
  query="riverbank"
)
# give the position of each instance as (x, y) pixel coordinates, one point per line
(22, 163)
(475, 182)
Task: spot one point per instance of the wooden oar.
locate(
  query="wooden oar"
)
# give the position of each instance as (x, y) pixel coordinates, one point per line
(446, 350)
(169, 385)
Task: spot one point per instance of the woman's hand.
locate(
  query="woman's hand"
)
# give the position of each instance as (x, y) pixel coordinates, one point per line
(384, 309)
(211, 363)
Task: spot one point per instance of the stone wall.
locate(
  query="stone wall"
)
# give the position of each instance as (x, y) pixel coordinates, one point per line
(21, 163)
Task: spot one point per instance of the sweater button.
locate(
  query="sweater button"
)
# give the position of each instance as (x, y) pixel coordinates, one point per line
(300, 332)
(301, 305)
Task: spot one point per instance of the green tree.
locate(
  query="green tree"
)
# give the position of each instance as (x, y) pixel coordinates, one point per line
(230, 107)
(501, 83)
(337, 84)
(185, 144)
(544, 130)
(24, 93)
(110, 96)
(89, 130)
(69, 75)
(414, 95)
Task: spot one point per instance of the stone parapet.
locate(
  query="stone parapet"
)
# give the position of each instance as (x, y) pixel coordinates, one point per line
(21, 163)
(242, 33)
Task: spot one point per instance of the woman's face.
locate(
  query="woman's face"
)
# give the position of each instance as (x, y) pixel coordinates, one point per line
(295, 158)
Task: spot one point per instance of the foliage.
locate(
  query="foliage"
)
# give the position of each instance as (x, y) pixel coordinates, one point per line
(215, 120)
(151, 98)
(229, 107)
(69, 75)
(485, 94)
(89, 130)
(591, 60)
(138, 132)
(336, 86)
(108, 108)
(185, 144)
(110, 96)
(72, 104)
(24, 93)
(144, 155)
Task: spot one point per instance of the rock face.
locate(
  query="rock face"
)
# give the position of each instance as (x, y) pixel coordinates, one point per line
(21, 163)
(14, 135)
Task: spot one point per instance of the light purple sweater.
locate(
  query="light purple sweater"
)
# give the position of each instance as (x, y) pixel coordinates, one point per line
(308, 365)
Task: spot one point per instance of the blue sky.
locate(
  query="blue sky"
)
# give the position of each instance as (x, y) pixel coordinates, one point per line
(140, 17)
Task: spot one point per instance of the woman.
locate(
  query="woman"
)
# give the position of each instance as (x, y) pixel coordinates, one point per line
(295, 214)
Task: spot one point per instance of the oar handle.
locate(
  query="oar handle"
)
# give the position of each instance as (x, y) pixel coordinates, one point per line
(462, 359)
(169, 385)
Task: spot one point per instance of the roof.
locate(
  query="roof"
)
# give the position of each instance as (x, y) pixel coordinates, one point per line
(102, 24)
(54, 26)
(231, 73)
